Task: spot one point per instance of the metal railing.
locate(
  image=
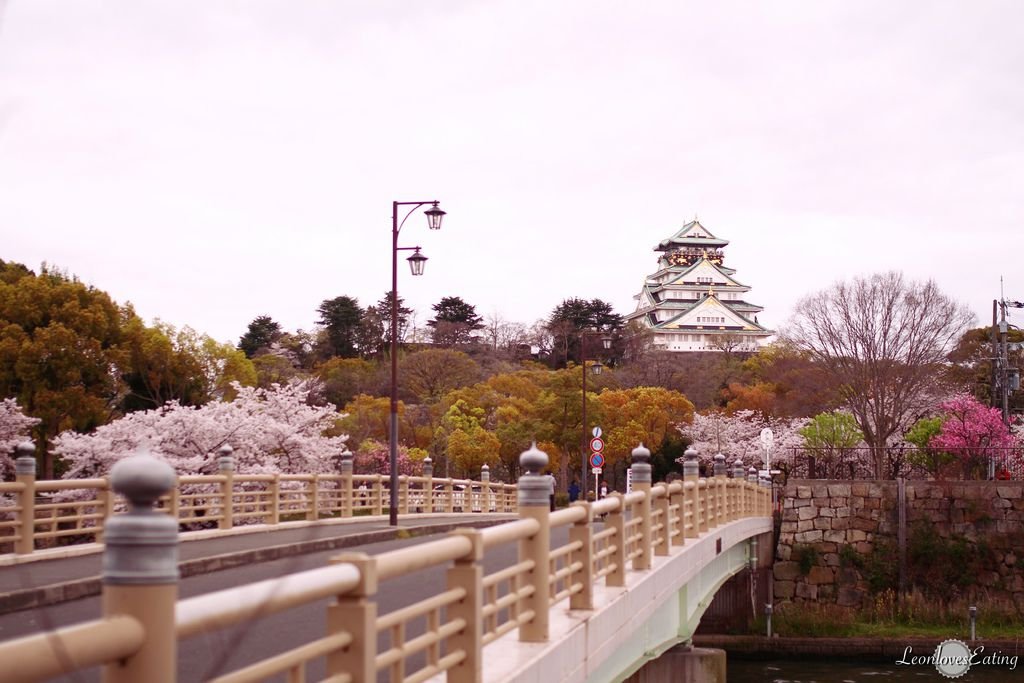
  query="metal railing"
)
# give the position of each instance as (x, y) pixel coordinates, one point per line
(136, 639)
(909, 462)
(38, 514)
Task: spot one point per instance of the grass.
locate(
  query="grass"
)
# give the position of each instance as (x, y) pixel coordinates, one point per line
(887, 617)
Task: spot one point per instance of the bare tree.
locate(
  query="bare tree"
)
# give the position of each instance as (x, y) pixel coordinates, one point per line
(883, 342)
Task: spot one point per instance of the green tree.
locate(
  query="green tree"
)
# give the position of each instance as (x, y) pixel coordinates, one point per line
(340, 317)
(920, 435)
(454, 321)
(262, 332)
(164, 365)
(570, 318)
(384, 312)
(830, 436)
(429, 375)
(345, 378)
(61, 353)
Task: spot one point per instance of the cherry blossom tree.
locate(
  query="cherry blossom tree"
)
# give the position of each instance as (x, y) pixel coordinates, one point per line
(374, 457)
(271, 431)
(739, 436)
(972, 432)
(14, 428)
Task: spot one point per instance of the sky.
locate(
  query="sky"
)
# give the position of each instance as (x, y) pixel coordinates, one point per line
(211, 161)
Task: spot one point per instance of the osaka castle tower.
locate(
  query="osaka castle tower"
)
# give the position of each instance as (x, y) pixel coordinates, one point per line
(693, 302)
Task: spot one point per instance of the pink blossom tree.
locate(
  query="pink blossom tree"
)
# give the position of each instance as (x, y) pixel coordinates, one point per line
(374, 457)
(14, 428)
(973, 433)
(271, 431)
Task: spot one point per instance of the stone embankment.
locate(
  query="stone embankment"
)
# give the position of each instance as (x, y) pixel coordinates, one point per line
(839, 537)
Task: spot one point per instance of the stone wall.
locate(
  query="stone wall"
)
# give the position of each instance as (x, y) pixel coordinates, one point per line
(830, 529)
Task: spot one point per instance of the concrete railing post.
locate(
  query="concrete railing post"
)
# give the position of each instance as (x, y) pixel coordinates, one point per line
(355, 612)
(752, 508)
(378, 495)
(662, 504)
(583, 533)
(691, 491)
(738, 489)
(485, 488)
(677, 500)
(534, 504)
(449, 496)
(25, 473)
(428, 487)
(403, 494)
(641, 470)
(226, 469)
(617, 520)
(274, 504)
(105, 506)
(140, 570)
(313, 513)
(467, 573)
(347, 503)
(718, 501)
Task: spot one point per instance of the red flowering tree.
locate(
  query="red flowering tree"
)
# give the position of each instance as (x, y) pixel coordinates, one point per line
(973, 433)
(14, 428)
(374, 457)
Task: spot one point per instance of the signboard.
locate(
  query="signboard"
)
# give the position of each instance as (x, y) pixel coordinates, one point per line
(767, 437)
(596, 460)
(596, 444)
(596, 432)
(595, 471)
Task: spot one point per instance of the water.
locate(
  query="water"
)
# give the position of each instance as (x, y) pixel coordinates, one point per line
(835, 671)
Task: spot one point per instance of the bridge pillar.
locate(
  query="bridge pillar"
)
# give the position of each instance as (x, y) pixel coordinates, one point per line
(641, 470)
(684, 664)
(534, 503)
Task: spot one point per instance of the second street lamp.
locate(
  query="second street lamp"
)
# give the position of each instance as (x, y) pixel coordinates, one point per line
(416, 262)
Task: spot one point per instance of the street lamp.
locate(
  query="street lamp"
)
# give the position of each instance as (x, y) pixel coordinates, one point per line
(434, 215)
(596, 368)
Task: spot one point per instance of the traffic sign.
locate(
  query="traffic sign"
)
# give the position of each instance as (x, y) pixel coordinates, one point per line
(596, 444)
(595, 470)
(596, 432)
(596, 460)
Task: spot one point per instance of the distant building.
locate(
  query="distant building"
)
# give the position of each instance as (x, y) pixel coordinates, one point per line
(693, 302)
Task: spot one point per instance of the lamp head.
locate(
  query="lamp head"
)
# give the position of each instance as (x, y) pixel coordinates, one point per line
(434, 216)
(416, 262)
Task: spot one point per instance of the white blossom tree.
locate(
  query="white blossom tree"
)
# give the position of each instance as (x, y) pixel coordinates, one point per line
(14, 428)
(739, 436)
(271, 431)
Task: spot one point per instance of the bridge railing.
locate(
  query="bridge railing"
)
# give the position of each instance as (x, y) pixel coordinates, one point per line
(447, 631)
(36, 514)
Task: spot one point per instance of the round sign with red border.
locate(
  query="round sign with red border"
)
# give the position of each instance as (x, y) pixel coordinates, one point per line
(596, 460)
(596, 444)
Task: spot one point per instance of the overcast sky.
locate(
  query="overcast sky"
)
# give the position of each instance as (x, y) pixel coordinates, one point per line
(212, 161)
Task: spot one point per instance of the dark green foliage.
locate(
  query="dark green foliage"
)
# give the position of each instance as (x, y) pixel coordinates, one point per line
(340, 318)
(806, 556)
(454, 321)
(570, 318)
(262, 332)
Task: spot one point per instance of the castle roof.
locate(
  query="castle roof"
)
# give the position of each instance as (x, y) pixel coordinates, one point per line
(693, 234)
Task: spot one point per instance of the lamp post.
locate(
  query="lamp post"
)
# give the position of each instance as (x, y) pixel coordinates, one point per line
(606, 341)
(416, 261)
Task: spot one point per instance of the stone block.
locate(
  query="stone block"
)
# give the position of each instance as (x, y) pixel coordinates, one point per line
(819, 491)
(849, 597)
(826, 592)
(806, 513)
(865, 547)
(856, 502)
(859, 489)
(834, 536)
(802, 502)
(804, 525)
(855, 535)
(806, 591)
(843, 511)
(841, 523)
(826, 512)
(863, 524)
(823, 523)
(831, 559)
(827, 547)
(785, 590)
(790, 515)
(809, 536)
(839, 490)
(785, 571)
(1010, 560)
(819, 575)
(803, 491)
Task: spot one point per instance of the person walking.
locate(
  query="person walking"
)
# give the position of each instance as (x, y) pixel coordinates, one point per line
(604, 489)
(574, 491)
(551, 490)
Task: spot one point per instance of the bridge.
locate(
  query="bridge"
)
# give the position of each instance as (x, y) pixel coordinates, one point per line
(590, 592)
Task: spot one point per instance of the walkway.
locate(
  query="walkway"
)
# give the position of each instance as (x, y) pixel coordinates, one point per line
(54, 576)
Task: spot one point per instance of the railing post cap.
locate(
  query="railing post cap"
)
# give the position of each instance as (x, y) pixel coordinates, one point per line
(533, 460)
(719, 458)
(641, 454)
(486, 467)
(25, 459)
(690, 453)
(142, 479)
(25, 449)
